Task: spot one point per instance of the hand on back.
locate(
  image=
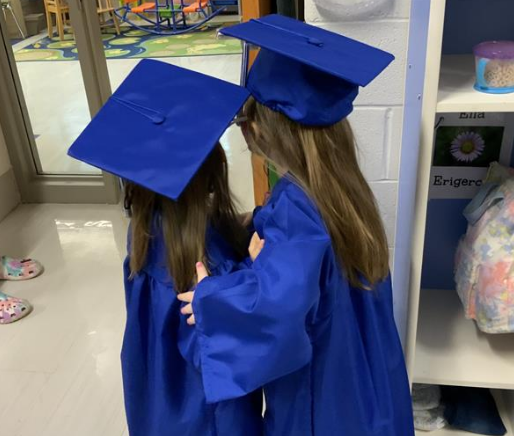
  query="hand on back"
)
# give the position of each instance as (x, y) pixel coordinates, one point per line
(255, 247)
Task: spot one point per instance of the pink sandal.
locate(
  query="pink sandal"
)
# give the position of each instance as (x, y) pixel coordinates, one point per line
(19, 269)
(13, 309)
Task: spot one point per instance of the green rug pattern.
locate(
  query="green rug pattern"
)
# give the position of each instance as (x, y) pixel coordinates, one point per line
(133, 43)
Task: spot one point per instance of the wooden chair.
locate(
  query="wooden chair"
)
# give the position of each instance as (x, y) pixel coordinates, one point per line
(105, 7)
(61, 10)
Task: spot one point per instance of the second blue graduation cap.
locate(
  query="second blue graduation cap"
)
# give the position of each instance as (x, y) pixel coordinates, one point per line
(159, 126)
(307, 73)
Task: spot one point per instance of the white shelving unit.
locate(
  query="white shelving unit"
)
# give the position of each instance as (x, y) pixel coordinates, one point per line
(450, 350)
(442, 346)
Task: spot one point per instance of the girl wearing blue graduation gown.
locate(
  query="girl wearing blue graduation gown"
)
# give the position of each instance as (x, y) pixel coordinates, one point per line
(311, 320)
(164, 394)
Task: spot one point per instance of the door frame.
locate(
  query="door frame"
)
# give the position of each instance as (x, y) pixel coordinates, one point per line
(45, 188)
(253, 9)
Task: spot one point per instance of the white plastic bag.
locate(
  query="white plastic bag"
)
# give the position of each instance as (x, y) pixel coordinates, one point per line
(353, 9)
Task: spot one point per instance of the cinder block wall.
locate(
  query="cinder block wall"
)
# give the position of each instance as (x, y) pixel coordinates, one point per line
(377, 119)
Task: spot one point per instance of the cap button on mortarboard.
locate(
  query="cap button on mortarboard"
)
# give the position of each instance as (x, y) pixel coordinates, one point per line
(315, 41)
(154, 116)
(158, 119)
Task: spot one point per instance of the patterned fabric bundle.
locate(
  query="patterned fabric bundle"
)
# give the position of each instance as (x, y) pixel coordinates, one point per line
(485, 257)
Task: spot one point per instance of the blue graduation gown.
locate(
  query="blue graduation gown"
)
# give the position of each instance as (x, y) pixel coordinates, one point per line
(164, 394)
(327, 355)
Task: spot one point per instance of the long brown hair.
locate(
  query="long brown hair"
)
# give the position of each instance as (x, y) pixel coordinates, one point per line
(323, 160)
(206, 201)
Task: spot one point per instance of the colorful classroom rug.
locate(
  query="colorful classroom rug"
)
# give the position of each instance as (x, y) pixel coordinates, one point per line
(134, 43)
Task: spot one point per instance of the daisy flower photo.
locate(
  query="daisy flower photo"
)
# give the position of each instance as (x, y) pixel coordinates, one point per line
(467, 146)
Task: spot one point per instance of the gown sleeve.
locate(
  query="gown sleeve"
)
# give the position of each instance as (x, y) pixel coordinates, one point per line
(252, 324)
(188, 343)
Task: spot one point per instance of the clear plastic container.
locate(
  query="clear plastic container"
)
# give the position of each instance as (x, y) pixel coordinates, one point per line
(495, 67)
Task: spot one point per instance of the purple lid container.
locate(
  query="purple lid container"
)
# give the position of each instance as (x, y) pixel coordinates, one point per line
(495, 50)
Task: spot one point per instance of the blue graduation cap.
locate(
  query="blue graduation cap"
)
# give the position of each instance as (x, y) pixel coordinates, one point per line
(159, 126)
(307, 73)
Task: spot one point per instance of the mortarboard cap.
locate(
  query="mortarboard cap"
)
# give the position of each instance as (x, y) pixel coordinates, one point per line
(159, 126)
(309, 74)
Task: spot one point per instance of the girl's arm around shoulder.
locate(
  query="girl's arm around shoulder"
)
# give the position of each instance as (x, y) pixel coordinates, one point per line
(252, 323)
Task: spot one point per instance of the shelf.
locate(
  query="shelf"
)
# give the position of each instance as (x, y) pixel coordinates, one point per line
(456, 92)
(450, 349)
(503, 408)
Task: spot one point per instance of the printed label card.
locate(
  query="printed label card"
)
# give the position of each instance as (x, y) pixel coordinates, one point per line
(464, 146)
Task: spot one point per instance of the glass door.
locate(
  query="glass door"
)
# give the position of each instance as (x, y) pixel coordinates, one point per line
(54, 79)
(186, 36)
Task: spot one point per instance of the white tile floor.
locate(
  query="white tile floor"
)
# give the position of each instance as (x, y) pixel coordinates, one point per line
(59, 367)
